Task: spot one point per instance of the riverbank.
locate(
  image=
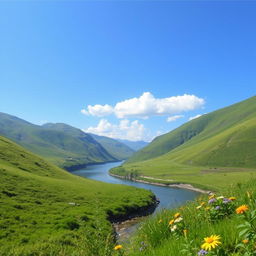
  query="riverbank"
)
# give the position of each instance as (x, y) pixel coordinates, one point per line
(127, 222)
(172, 185)
(78, 167)
(124, 224)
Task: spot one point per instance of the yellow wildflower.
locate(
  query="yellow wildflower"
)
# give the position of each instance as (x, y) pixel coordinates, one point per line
(171, 222)
(176, 215)
(185, 232)
(212, 196)
(245, 241)
(211, 242)
(160, 221)
(198, 207)
(118, 247)
(232, 198)
(242, 209)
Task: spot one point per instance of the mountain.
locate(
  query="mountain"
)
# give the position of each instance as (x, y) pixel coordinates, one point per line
(117, 149)
(48, 211)
(63, 145)
(135, 145)
(226, 137)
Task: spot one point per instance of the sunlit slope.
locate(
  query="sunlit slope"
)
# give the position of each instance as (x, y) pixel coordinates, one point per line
(48, 211)
(59, 146)
(224, 138)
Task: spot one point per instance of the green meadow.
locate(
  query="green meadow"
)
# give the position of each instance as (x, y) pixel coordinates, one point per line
(212, 152)
(202, 219)
(47, 211)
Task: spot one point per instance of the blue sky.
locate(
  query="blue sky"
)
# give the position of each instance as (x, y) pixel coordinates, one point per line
(57, 58)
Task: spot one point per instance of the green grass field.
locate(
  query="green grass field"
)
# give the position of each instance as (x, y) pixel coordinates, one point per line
(47, 211)
(154, 237)
(213, 151)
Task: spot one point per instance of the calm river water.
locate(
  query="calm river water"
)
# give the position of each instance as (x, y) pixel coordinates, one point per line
(169, 197)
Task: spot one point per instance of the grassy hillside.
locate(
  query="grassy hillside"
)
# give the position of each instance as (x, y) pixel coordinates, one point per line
(201, 129)
(47, 211)
(117, 149)
(62, 147)
(211, 151)
(215, 215)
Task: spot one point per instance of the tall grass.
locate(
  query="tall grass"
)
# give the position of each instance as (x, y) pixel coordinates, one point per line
(154, 237)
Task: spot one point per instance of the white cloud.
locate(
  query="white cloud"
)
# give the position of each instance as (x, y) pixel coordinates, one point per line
(173, 118)
(98, 110)
(147, 105)
(194, 117)
(126, 129)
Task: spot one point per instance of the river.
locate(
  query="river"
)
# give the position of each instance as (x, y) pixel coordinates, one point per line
(169, 197)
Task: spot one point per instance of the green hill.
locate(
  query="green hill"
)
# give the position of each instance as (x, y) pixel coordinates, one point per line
(225, 138)
(48, 211)
(117, 149)
(225, 127)
(67, 147)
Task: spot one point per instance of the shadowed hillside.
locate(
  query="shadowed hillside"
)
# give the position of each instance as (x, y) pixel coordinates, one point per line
(65, 146)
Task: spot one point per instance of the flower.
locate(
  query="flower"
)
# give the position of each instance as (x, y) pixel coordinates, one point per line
(185, 232)
(174, 228)
(176, 215)
(202, 252)
(118, 247)
(160, 221)
(178, 220)
(245, 241)
(213, 200)
(226, 200)
(211, 242)
(217, 207)
(242, 209)
(171, 222)
(232, 198)
(207, 208)
(220, 197)
(212, 196)
(198, 207)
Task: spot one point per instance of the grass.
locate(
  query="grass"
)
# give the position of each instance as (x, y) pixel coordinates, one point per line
(209, 178)
(154, 237)
(225, 137)
(47, 211)
(213, 151)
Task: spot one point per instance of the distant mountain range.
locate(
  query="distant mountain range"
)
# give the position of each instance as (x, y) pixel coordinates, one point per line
(226, 137)
(116, 148)
(62, 144)
(135, 145)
